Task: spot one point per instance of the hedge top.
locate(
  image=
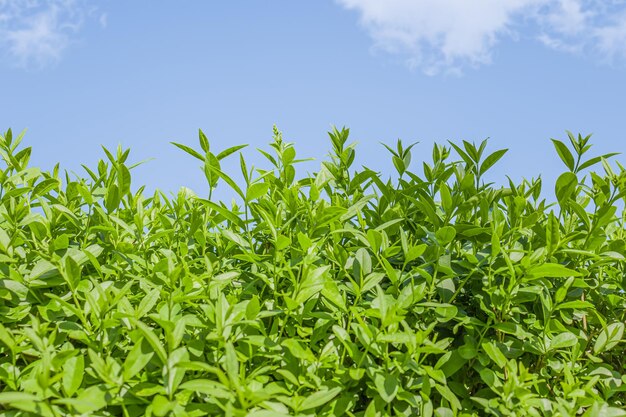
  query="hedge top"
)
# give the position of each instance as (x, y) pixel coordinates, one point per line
(335, 294)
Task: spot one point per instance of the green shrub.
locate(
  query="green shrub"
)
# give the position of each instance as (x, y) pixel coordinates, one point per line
(336, 294)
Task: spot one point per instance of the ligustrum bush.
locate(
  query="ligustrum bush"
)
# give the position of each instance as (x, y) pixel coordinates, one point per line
(339, 293)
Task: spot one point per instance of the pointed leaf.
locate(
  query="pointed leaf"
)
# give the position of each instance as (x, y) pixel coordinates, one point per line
(73, 371)
(491, 160)
(319, 398)
(189, 150)
(229, 151)
(257, 190)
(151, 338)
(564, 154)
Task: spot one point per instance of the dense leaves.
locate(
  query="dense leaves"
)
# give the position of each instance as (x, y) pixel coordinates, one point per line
(338, 293)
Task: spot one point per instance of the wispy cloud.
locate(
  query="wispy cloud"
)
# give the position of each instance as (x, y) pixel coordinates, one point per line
(449, 35)
(104, 20)
(35, 33)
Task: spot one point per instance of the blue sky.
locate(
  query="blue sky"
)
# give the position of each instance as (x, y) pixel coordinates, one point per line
(79, 73)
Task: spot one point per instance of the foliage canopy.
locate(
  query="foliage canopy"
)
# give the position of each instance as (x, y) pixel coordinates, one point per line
(335, 294)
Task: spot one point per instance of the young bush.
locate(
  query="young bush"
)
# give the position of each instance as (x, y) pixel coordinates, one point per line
(338, 294)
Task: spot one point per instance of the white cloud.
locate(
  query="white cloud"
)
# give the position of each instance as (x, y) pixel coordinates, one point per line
(612, 39)
(35, 33)
(566, 17)
(104, 20)
(449, 35)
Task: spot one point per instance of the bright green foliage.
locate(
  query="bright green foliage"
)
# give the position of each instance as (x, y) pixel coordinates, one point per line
(337, 294)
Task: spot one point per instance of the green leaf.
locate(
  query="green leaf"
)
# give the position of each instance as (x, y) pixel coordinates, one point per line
(398, 163)
(42, 270)
(450, 363)
(214, 169)
(45, 186)
(289, 154)
(112, 198)
(162, 406)
(468, 351)
(331, 292)
(211, 168)
(207, 387)
(138, 357)
(595, 160)
(296, 349)
(563, 340)
(224, 212)
(551, 270)
(564, 154)
(189, 150)
(446, 312)
(445, 235)
(446, 198)
(148, 302)
(576, 305)
(73, 371)
(449, 395)
(491, 160)
(319, 398)
(229, 151)
(257, 190)
(231, 364)
(20, 291)
(375, 240)
(414, 252)
(7, 338)
(268, 413)
(443, 411)
(553, 235)
(72, 272)
(123, 179)
(363, 261)
(494, 353)
(91, 399)
(236, 238)
(8, 397)
(253, 308)
(372, 280)
(609, 337)
(565, 187)
(151, 338)
(204, 141)
(466, 158)
(386, 386)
